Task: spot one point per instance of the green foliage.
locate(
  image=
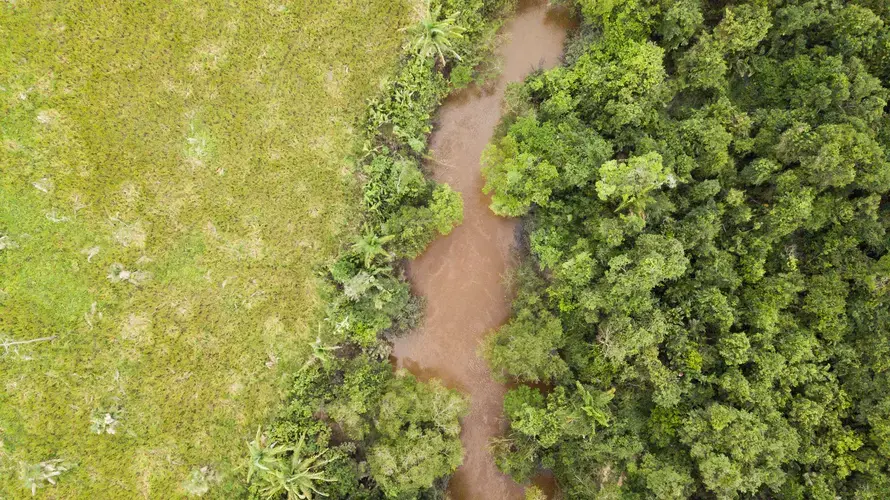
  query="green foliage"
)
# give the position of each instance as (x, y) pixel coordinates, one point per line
(416, 227)
(434, 36)
(518, 181)
(538, 423)
(402, 435)
(297, 476)
(632, 180)
(528, 346)
(711, 287)
(419, 436)
(682, 19)
(263, 457)
(370, 246)
(534, 493)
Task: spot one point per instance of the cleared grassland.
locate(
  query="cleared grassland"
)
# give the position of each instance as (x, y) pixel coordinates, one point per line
(170, 175)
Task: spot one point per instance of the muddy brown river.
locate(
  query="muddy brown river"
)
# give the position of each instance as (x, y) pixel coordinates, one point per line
(461, 274)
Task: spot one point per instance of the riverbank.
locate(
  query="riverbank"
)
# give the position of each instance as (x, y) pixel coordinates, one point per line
(461, 275)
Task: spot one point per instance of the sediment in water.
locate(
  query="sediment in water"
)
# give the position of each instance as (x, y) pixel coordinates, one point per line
(461, 275)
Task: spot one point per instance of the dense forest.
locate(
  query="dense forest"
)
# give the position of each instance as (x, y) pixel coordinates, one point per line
(705, 311)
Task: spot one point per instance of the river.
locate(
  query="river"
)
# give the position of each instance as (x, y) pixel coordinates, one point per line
(461, 275)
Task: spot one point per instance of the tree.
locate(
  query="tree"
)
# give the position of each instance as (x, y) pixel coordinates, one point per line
(722, 263)
(528, 346)
(682, 19)
(370, 247)
(297, 476)
(419, 427)
(415, 227)
(518, 180)
(434, 36)
(630, 182)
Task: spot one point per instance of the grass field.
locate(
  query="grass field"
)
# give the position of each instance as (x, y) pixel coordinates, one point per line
(171, 173)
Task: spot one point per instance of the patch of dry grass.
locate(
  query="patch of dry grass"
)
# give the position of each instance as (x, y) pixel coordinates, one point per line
(170, 174)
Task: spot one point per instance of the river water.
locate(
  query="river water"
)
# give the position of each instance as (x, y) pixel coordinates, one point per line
(461, 274)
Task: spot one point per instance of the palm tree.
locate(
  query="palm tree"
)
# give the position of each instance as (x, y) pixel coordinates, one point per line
(370, 246)
(320, 352)
(595, 406)
(433, 37)
(263, 459)
(297, 477)
(304, 475)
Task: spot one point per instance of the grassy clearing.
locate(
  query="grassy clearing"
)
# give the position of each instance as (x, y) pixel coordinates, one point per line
(170, 174)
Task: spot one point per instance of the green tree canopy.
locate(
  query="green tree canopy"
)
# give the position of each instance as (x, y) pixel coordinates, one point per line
(708, 293)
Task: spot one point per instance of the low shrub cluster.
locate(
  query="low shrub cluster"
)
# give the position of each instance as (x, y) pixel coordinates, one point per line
(352, 426)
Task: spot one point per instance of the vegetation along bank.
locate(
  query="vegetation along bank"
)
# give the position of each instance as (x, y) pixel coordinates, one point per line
(352, 427)
(461, 276)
